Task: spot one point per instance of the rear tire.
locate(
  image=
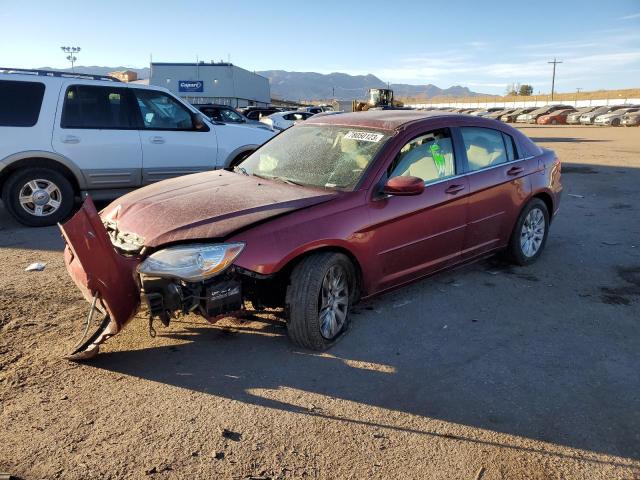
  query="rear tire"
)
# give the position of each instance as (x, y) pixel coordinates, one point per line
(318, 300)
(529, 235)
(38, 197)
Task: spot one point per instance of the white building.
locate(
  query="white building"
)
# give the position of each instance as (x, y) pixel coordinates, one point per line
(222, 83)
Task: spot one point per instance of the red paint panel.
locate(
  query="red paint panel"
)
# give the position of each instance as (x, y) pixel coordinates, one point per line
(96, 267)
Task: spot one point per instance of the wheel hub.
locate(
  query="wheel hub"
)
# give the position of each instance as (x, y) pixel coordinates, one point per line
(333, 302)
(40, 197)
(532, 233)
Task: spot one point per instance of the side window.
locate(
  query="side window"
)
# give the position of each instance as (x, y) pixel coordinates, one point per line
(162, 112)
(429, 157)
(485, 147)
(87, 106)
(212, 113)
(512, 153)
(20, 103)
(229, 115)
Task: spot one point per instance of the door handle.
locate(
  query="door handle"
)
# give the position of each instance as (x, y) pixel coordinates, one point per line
(70, 139)
(515, 171)
(453, 189)
(156, 139)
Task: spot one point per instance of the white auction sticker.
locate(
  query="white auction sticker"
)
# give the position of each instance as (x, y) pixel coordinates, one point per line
(364, 136)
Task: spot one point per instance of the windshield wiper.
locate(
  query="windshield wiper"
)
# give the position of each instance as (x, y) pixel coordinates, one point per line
(240, 169)
(274, 177)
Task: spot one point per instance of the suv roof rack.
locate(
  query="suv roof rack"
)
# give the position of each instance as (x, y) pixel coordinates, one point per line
(56, 73)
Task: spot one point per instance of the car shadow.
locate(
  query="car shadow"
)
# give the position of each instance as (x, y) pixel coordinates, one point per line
(475, 376)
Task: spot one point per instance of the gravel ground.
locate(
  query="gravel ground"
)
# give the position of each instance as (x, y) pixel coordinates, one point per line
(489, 371)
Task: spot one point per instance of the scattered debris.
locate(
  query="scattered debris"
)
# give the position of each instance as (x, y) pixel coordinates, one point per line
(480, 473)
(218, 455)
(575, 195)
(231, 435)
(401, 304)
(35, 267)
(611, 244)
(378, 435)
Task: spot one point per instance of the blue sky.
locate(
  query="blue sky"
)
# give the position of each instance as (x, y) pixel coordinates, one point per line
(483, 45)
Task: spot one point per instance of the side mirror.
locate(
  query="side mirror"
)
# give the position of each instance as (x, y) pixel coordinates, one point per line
(404, 186)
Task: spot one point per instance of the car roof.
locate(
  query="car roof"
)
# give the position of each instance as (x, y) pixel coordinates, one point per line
(381, 119)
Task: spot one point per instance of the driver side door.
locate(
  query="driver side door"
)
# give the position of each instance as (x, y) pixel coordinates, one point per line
(171, 145)
(417, 235)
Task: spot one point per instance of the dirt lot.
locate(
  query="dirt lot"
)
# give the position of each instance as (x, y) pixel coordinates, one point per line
(490, 371)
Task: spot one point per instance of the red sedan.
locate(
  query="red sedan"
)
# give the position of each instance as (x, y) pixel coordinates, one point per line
(338, 208)
(559, 117)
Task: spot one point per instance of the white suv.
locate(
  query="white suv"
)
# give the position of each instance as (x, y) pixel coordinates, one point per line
(64, 136)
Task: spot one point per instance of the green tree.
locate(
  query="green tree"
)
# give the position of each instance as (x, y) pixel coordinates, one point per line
(525, 90)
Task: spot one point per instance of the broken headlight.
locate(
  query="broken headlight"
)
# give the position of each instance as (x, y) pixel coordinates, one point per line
(191, 263)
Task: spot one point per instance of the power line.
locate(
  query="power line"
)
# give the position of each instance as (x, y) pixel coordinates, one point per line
(553, 78)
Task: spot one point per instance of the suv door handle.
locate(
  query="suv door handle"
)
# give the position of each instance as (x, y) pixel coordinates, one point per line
(70, 139)
(515, 171)
(453, 189)
(156, 139)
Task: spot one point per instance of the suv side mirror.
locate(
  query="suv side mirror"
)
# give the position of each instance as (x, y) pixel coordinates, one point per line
(404, 186)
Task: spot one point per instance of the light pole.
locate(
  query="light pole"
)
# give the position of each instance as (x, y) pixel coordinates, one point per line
(71, 54)
(553, 78)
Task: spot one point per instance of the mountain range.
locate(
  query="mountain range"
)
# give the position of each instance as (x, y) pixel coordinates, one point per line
(318, 86)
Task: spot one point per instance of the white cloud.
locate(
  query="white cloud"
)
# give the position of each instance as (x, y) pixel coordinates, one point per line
(630, 17)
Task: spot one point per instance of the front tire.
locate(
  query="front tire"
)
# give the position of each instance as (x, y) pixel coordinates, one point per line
(321, 290)
(38, 197)
(529, 236)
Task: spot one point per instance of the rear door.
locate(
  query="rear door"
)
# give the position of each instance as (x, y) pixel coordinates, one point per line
(498, 186)
(171, 145)
(416, 235)
(95, 127)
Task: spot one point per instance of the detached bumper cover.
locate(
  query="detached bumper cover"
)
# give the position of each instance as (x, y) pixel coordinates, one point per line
(99, 270)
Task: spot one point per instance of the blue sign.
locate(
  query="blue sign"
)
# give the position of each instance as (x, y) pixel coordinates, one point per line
(190, 85)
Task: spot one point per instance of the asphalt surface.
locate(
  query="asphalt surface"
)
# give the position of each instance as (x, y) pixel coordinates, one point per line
(490, 371)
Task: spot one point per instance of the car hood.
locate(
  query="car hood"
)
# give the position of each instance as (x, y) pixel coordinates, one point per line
(203, 206)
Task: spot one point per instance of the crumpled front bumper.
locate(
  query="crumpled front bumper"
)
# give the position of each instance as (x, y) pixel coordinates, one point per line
(100, 272)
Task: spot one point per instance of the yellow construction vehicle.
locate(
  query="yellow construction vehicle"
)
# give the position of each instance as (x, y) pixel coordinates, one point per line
(379, 98)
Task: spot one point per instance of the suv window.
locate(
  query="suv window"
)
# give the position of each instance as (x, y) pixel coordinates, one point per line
(229, 115)
(162, 112)
(429, 157)
(20, 103)
(87, 106)
(485, 147)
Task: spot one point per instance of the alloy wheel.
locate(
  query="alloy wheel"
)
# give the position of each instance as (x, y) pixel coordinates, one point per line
(40, 197)
(532, 233)
(333, 302)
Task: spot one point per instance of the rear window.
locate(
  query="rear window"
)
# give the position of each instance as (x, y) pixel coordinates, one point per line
(20, 103)
(97, 107)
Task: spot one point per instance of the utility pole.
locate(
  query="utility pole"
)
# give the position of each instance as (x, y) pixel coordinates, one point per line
(577, 93)
(553, 78)
(71, 54)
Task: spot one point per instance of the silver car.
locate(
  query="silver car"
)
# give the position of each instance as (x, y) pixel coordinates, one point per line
(589, 118)
(614, 118)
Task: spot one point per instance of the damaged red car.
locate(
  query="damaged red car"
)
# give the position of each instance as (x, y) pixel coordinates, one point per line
(336, 209)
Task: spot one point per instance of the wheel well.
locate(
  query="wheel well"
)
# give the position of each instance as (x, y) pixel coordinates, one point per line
(39, 162)
(546, 198)
(238, 157)
(285, 272)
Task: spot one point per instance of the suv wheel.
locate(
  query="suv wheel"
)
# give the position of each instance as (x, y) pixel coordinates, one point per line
(530, 233)
(318, 300)
(38, 197)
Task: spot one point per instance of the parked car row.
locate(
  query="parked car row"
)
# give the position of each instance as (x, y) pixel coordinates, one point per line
(627, 115)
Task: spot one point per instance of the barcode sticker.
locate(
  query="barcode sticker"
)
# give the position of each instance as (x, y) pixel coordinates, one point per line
(364, 136)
